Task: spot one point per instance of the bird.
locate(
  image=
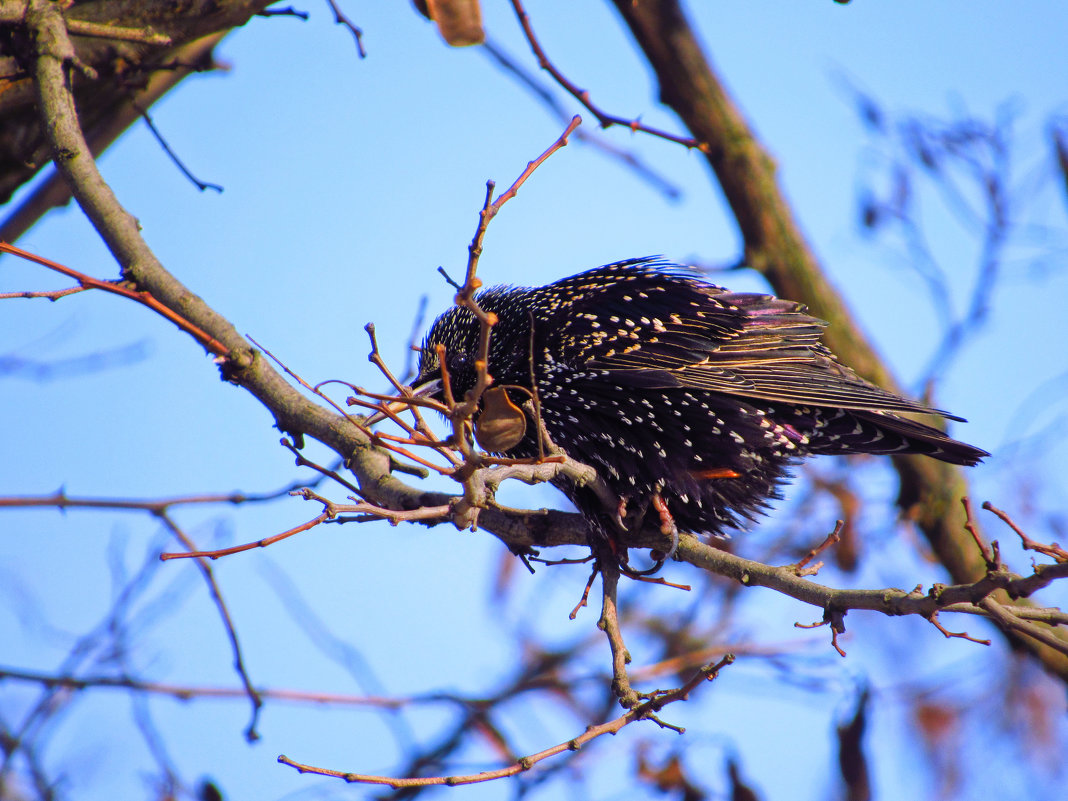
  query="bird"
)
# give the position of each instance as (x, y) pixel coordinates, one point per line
(693, 403)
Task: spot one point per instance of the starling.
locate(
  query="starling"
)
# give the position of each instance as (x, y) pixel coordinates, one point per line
(687, 399)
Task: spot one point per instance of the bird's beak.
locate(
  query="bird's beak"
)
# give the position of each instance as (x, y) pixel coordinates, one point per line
(423, 390)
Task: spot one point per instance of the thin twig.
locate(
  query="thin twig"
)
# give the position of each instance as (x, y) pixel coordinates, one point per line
(1053, 550)
(341, 19)
(193, 553)
(121, 288)
(413, 340)
(216, 595)
(583, 96)
(963, 635)
(831, 539)
(61, 500)
(185, 692)
(325, 472)
(289, 11)
(54, 294)
(973, 528)
(629, 158)
(201, 185)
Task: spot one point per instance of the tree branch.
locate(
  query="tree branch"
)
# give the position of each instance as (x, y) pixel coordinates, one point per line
(976, 596)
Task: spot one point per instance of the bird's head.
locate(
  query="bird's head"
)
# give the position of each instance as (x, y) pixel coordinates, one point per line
(452, 343)
(458, 332)
(451, 350)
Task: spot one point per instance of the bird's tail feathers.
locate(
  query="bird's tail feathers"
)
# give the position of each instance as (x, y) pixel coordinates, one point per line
(887, 433)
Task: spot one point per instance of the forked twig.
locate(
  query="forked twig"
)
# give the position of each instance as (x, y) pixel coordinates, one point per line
(646, 710)
(605, 119)
(1053, 550)
(123, 289)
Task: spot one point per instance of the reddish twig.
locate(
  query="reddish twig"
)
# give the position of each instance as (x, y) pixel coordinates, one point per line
(462, 412)
(375, 357)
(248, 546)
(122, 289)
(54, 294)
(1053, 550)
(832, 539)
(973, 528)
(836, 620)
(663, 582)
(584, 600)
(489, 210)
(540, 91)
(356, 422)
(963, 635)
(605, 119)
(395, 516)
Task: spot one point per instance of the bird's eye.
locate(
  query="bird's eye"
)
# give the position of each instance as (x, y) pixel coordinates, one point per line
(457, 361)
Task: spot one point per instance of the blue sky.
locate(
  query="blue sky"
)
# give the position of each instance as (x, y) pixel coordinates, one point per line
(347, 183)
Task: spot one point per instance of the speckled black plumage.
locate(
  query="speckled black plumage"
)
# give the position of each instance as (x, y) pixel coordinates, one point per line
(661, 382)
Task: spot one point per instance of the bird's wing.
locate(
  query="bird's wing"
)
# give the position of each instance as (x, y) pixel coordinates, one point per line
(651, 327)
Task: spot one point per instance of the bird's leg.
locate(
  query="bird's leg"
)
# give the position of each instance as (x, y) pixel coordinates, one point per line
(667, 524)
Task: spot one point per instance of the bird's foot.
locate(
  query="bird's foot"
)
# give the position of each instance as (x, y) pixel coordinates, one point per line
(667, 525)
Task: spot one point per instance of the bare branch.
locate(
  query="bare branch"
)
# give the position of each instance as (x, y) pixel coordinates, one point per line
(1009, 621)
(609, 624)
(194, 553)
(628, 158)
(836, 603)
(642, 711)
(341, 19)
(183, 692)
(216, 596)
(583, 96)
(119, 288)
(1054, 551)
(201, 185)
